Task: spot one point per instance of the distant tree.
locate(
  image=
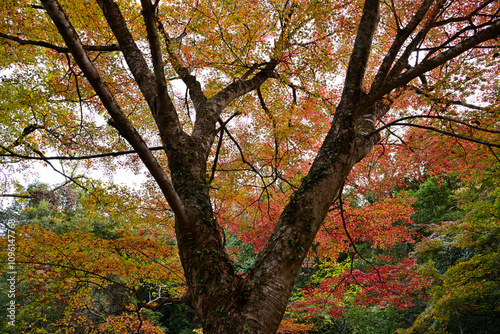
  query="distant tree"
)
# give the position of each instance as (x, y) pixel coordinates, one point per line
(79, 269)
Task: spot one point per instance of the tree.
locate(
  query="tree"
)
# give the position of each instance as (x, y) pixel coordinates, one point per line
(464, 251)
(80, 268)
(395, 59)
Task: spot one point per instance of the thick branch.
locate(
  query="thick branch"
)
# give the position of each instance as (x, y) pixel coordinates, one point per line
(193, 85)
(133, 56)
(403, 61)
(208, 115)
(459, 35)
(74, 44)
(195, 92)
(150, 85)
(361, 51)
(240, 87)
(304, 214)
(166, 118)
(163, 109)
(280, 261)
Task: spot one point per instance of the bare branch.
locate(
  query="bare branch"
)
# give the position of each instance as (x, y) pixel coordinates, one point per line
(83, 157)
(243, 159)
(217, 152)
(451, 134)
(459, 35)
(16, 196)
(71, 178)
(465, 18)
(449, 119)
(60, 49)
(219, 144)
(273, 120)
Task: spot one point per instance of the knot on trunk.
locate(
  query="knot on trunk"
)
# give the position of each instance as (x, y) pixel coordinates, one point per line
(366, 137)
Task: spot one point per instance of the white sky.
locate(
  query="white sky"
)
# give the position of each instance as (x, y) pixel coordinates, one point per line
(45, 174)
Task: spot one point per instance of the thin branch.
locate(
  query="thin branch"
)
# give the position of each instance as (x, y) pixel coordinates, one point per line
(444, 118)
(84, 157)
(185, 299)
(193, 85)
(443, 100)
(273, 121)
(262, 177)
(494, 154)
(72, 70)
(221, 30)
(243, 159)
(459, 35)
(344, 224)
(16, 196)
(396, 17)
(72, 179)
(76, 270)
(60, 49)
(398, 137)
(477, 141)
(217, 152)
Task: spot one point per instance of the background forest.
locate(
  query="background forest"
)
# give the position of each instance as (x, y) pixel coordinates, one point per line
(302, 166)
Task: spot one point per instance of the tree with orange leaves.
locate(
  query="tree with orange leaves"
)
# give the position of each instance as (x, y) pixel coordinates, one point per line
(258, 134)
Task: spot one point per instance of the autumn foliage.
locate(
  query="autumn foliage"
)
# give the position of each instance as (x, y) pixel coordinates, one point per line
(302, 166)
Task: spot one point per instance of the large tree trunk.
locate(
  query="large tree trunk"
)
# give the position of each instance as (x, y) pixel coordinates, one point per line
(227, 303)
